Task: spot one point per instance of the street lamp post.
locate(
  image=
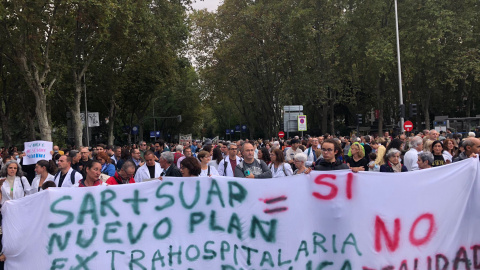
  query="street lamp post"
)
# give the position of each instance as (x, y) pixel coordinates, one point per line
(86, 111)
(153, 117)
(399, 67)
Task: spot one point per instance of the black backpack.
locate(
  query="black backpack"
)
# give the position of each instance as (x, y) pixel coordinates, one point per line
(72, 177)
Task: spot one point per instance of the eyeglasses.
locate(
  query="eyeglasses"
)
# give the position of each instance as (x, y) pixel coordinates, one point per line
(233, 149)
(327, 149)
(144, 144)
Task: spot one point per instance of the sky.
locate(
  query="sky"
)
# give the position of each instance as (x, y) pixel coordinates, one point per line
(210, 5)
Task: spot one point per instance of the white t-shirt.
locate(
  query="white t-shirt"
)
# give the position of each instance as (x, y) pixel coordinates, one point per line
(213, 171)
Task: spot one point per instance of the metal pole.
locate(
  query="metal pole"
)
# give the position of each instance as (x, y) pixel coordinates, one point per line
(399, 67)
(86, 112)
(153, 117)
(288, 125)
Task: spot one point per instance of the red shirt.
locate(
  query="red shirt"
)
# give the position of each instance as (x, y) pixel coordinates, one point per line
(98, 182)
(115, 180)
(233, 162)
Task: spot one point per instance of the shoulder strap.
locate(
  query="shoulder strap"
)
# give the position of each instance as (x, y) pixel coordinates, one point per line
(283, 167)
(225, 167)
(309, 150)
(23, 185)
(57, 174)
(208, 172)
(72, 177)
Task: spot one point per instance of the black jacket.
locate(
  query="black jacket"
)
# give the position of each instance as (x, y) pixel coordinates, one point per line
(173, 170)
(330, 166)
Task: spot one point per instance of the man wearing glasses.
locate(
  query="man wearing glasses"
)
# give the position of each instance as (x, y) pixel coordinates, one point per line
(84, 158)
(143, 148)
(310, 152)
(330, 151)
(227, 165)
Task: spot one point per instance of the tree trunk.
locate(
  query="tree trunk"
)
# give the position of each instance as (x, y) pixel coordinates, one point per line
(324, 118)
(75, 111)
(332, 115)
(42, 115)
(380, 91)
(111, 119)
(6, 132)
(34, 82)
(31, 134)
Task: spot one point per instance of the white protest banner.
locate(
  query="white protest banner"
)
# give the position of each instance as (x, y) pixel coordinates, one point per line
(420, 220)
(93, 119)
(184, 138)
(37, 150)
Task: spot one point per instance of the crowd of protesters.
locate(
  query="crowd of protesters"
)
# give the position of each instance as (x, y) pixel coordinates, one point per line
(117, 165)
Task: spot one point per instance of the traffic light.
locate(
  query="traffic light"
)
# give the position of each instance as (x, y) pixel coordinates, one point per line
(401, 111)
(282, 126)
(359, 119)
(413, 110)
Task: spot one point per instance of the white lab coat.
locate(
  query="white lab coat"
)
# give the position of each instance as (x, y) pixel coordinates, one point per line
(19, 191)
(221, 166)
(67, 182)
(283, 170)
(36, 181)
(143, 173)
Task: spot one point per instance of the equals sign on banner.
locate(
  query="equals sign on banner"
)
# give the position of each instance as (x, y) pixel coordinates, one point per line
(274, 201)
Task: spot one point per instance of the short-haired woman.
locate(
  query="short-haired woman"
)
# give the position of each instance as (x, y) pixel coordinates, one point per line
(207, 170)
(393, 162)
(299, 160)
(190, 166)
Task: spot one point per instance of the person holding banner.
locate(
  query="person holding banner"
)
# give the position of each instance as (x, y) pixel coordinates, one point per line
(300, 162)
(92, 169)
(330, 151)
(44, 172)
(251, 167)
(207, 170)
(124, 175)
(393, 162)
(12, 182)
(150, 169)
(279, 167)
(228, 164)
(190, 167)
(356, 158)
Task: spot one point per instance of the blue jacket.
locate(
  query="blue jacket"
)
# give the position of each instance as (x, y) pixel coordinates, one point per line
(109, 169)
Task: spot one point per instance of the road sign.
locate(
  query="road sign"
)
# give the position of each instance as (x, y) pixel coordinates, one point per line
(227, 131)
(408, 126)
(281, 134)
(244, 128)
(135, 130)
(237, 128)
(302, 123)
(154, 134)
